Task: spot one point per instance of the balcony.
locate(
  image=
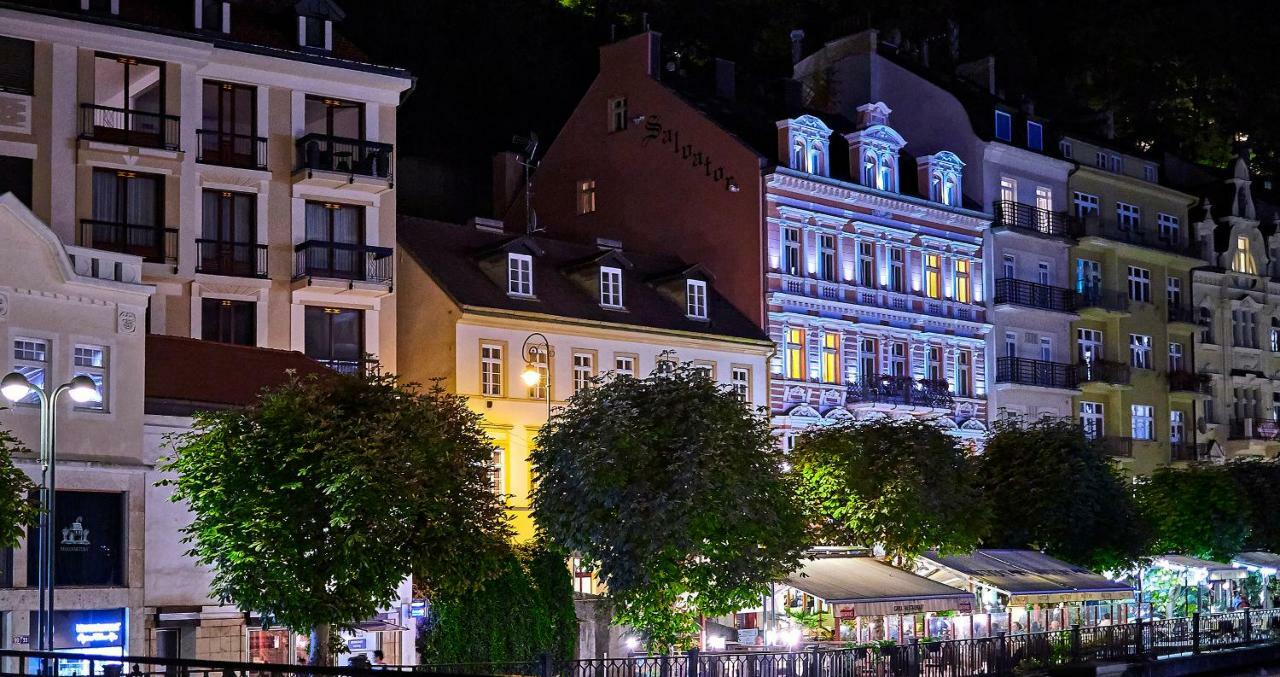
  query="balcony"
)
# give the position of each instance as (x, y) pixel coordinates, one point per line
(1029, 219)
(1102, 371)
(1141, 236)
(901, 391)
(1027, 372)
(342, 261)
(1188, 451)
(1182, 315)
(234, 259)
(129, 127)
(1253, 429)
(1102, 301)
(155, 244)
(1188, 382)
(1116, 447)
(215, 147)
(337, 162)
(349, 367)
(1034, 295)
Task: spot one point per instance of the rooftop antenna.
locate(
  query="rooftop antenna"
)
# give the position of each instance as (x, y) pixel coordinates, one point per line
(530, 147)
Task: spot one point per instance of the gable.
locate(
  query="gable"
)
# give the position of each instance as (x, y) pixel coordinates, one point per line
(33, 256)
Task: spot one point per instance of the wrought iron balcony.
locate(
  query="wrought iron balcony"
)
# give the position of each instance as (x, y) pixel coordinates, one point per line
(1254, 429)
(1023, 371)
(346, 156)
(1027, 218)
(1188, 451)
(1102, 371)
(155, 244)
(216, 147)
(239, 259)
(1188, 381)
(1105, 299)
(903, 390)
(1034, 295)
(1137, 234)
(1117, 447)
(338, 260)
(129, 127)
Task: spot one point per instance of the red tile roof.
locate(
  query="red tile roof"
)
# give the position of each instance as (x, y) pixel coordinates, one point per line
(184, 375)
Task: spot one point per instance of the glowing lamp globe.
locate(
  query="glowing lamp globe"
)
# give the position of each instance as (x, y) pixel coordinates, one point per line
(531, 377)
(15, 386)
(83, 390)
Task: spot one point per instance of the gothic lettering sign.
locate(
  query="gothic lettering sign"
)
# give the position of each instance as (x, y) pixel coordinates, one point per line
(685, 151)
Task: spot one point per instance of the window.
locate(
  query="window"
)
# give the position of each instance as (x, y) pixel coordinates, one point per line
(330, 227)
(519, 275)
(1139, 284)
(1010, 344)
(1206, 325)
(610, 287)
(1168, 227)
(1044, 207)
(1128, 217)
(1115, 163)
(1043, 273)
(1173, 291)
(1149, 173)
(129, 98)
(17, 65)
(1100, 159)
(964, 374)
(227, 321)
(584, 369)
(1245, 403)
(933, 370)
(496, 472)
(329, 117)
(1004, 126)
(1243, 261)
(740, 378)
(31, 359)
(1176, 362)
(586, 196)
(1088, 275)
(1091, 420)
(491, 370)
(791, 251)
(1086, 204)
(229, 125)
(1177, 429)
(538, 360)
(866, 264)
(793, 353)
(897, 270)
(17, 175)
(1035, 135)
(1089, 345)
(127, 211)
(1144, 422)
(932, 276)
(1010, 267)
(1275, 335)
(91, 361)
(211, 15)
(827, 257)
(1139, 351)
(830, 357)
(695, 293)
(868, 359)
(814, 165)
(1008, 189)
(1064, 146)
(1244, 328)
(315, 32)
(1046, 348)
(618, 114)
(624, 365)
(885, 173)
(229, 229)
(898, 358)
(962, 281)
(335, 337)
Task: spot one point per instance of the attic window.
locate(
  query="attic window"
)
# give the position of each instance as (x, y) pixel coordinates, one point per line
(1004, 126)
(695, 294)
(1035, 135)
(315, 32)
(519, 275)
(103, 6)
(610, 287)
(1065, 147)
(213, 15)
(618, 114)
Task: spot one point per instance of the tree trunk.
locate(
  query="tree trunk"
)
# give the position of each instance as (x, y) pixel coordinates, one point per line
(320, 651)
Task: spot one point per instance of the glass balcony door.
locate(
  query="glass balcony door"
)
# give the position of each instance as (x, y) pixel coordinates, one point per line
(229, 242)
(127, 213)
(335, 336)
(129, 100)
(336, 239)
(229, 125)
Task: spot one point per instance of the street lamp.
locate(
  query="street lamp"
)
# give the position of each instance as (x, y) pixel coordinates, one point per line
(80, 389)
(532, 376)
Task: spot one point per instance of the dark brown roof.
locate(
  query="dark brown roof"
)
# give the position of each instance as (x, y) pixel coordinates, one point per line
(184, 375)
(262, 26)
(451, 254)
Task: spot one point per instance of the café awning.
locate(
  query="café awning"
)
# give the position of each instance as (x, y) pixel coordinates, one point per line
(1026, 576)
(1266, 563)
(863, 586)
(1212, 571)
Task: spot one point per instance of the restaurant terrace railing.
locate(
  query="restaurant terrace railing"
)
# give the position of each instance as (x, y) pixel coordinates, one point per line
(356, 157)
(1028, 218)
(1028, 372)
(1103, 371)
(216, 147)
(903, 390)
(155, 244)
(339, 260)
(129, 127)
(1106, 299)
(1034, 295)
(238, 259)
(1142, 236)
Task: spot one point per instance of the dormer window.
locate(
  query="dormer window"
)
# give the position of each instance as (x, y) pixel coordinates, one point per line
(1004, 126)
(1035, 135)
(610, 287)
(942, 172)
(1065, 147)
(875, 148)
(213, 15)
(805, 142)
(695, 294)
(314, 32)
(103, 6)
(519, 275)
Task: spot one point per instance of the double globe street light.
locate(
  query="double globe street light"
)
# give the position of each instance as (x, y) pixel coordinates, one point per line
(82, 390)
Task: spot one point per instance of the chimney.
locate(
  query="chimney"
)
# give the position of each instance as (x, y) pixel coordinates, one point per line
(981, 73)
(797, 46)
(508, 180)
(726, 80)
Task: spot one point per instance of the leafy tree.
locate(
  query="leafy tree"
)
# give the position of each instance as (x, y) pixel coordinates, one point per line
(675, 489)
(317, 502)
(1051, 488)
(533, 595)
(903, 484)
(1257, 480)
(19, 505)
(1198, 510)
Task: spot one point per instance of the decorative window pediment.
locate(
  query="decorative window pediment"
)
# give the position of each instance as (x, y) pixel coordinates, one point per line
(943, 173)
(805, 142)
(874, 148)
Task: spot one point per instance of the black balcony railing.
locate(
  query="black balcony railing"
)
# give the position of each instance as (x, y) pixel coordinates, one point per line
(362, 263)
(1102, 371)
(1033, 219)
(1254, 429)
(155, 244)
(1118, 447)
(1034, 295)
(1106, 299)
(215, 147)
(1041, 373)
(348, 367)
(239, 259)
(1188, 451)
(348, 156)
(129, 127)
(1142, 236)
(1180, 313)
(1188, 381)
(901, 390)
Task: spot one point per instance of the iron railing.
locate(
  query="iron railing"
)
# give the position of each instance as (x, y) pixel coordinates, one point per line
(239, 259)
(1020, 216)
(1141, 236)
(339, 260)
(903, 390)
(14, 662)
(1254, 429)
(155, 244)
(1102, 371)
(1118, 447)
(1188, 451)
(349, 367)
(1034, 295)
(216, 147)
(347, 156)
(1106, 299)
(1188, 381)
(1028, 372)
(129, 127)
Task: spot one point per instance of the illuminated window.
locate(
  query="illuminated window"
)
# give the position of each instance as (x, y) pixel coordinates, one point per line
(1175, 357)
(964, 374)
(868, 360)
(1086, 204)
(538, 359)
(897, 270)
(1168, 226)
(610, 287)
(898, 358)
(932, 276)
(586, 196)
(827, 257)
(791, 251)
(1173, 291)
(794, 354)
(624, 365)
(584, 368)
(1004, 126)
(491, 370)
(866, 264)
(962, 281)
(1139, 351)
(741, 381)
(91, 361)
(1144, 422)
(31, 359)
(1091, 419)
(1139, 284)
(1008, 189)
(1129, 217)
(519, 275)
(1243, 260)
(695, 293)
(830, 358)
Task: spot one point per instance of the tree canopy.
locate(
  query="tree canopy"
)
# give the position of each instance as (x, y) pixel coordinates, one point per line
(19, 507)
(905, 485)
(674, 487)
(1198, 510)
(1257, 481)
(316, 503)
(1051, 488)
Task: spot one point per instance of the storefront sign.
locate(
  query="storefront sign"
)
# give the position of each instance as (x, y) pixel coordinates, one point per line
(695, 156)
(357, 644)
(88, 629)
(417, 609)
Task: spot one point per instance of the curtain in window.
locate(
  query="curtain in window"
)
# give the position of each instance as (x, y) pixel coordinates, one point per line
(243, 221)
(140, 201)
(210, 229)
(106, 205)
(317, 221)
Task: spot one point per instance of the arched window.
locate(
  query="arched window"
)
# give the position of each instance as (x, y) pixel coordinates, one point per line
(884, 177)
(949, 196)
(1243, 261)
(935, 187)
(797, 155)
(869, 169)
(815, 160)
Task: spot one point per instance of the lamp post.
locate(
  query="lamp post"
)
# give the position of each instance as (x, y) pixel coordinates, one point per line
(532, 376)
(82, 389)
